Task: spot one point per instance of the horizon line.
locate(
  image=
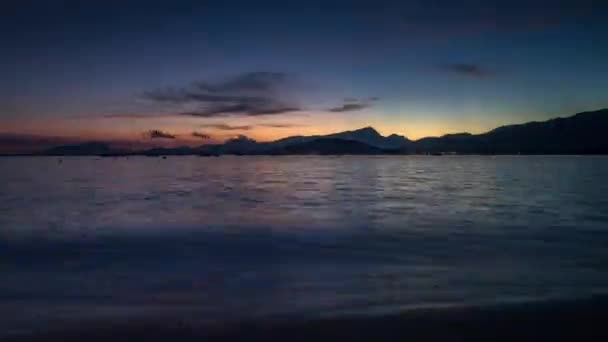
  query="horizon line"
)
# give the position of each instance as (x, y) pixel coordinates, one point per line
(179, 137)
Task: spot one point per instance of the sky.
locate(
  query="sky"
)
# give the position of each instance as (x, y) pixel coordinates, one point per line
(168, 73)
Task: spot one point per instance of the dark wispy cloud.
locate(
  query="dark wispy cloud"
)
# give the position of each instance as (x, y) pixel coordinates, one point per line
(226, 127)
(349, 107)
(278, 125)
(133, 116)
(254, 108)
(248, 94)
(353, 104)
(192, 94)
(201, 135)
(158, 134)
(466, 69)
(261, 81)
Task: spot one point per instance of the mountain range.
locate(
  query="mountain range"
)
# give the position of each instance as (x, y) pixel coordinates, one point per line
(582, 133)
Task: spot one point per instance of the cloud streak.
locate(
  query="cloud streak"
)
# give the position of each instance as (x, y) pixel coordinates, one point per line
(278, 125)
(254, 108)
(158, 134)
(134, 116)
(226, 127)
(248, 94)
(471, 70)
(261, 81)
(354, 104)
(349, 107)
(200, 135)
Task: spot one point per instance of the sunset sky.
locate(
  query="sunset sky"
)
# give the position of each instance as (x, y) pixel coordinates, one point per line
(154, 73)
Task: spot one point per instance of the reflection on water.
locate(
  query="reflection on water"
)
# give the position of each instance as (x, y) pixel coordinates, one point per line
(241, 237)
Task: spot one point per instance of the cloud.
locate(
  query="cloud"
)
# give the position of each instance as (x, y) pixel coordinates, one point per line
(349, 107)
(158, 134)
(185, 95)
(245, 108)
(278, 125)
(466, 69)
(353, 104)
(226, 127)
(261, 81)
(133, 116)
(201, 135)
(248, 94)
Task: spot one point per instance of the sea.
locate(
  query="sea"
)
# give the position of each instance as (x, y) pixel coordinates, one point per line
(246, 238)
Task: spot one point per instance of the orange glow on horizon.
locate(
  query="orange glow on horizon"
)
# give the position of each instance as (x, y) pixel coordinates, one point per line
(129, 132)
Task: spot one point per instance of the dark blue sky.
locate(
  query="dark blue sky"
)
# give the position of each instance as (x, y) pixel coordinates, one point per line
(88, 69)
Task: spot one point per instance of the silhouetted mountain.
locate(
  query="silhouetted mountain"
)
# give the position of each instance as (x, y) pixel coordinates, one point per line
(370, 136)
(397, 141)
(583, 133)
(240, 145)
(460, 142)
(367, 135)
(291, 140)
(89, 148)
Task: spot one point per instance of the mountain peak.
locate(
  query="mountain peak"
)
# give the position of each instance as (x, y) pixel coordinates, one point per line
(369, 130)
(396, 138)
(371, 137)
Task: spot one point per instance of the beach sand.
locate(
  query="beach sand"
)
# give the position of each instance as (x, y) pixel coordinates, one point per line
(572, 320)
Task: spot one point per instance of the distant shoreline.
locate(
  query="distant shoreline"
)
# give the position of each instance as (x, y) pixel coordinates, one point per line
(580, 134)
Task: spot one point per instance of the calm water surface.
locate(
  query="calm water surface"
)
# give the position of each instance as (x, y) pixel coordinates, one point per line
(231, 238)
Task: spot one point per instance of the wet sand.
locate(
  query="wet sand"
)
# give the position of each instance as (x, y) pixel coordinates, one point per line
(574, 320)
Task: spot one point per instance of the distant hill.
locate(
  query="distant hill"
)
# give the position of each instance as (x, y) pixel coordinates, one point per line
(333, 146)
(89, 148)
(370, 136)
(583, 133)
